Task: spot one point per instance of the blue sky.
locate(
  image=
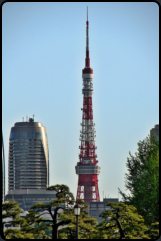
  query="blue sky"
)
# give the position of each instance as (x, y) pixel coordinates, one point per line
(43, 54)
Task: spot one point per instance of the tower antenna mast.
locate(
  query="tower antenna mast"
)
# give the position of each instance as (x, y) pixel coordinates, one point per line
(87, 168)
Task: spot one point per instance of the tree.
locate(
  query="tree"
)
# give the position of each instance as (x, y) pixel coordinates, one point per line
(35, 226)
(11, 215)
(142, 180)
(86, 223)
(153, 231)
(87, 226)
(35, 223)
(121, 221)
(17, 234)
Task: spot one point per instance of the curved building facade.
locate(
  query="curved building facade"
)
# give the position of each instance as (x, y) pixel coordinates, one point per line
(28, 165)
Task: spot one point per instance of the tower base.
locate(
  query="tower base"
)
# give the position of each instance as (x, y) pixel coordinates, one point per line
(88, 188)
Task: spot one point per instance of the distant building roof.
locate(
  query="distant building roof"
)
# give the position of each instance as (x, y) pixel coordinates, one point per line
(31, 191)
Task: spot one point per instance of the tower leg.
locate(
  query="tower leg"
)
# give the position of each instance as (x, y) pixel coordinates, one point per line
(88, 190)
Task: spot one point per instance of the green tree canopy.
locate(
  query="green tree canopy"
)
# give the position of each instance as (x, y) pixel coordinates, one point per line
(86, 224)
(11, 215)
(142, 180)
(121, 221)
(35, 223)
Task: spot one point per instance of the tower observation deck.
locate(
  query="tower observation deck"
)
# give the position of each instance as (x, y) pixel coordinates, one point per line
(87, 168)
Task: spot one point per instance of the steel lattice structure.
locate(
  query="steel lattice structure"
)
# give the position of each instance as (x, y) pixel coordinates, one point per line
(87, 168)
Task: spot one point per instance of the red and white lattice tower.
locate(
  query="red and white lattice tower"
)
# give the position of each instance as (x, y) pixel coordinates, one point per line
(87, 168)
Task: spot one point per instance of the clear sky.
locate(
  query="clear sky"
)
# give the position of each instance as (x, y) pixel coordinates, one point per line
(43, 54)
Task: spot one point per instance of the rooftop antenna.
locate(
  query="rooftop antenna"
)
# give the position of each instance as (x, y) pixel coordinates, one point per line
(87, 60)
(22, 119)
(33, 116)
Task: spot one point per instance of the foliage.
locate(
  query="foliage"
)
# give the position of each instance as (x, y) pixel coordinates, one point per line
(17, 234)
(11, 215)
(153, 231)
(20, 229)
(142, 180)
(36, 224)
(121, 221)
(86, 224)
(11, 209)
(63, 193)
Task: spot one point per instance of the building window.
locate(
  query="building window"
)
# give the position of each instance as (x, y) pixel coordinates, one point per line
(93, 205)
(21, 134)
(100, 205)
(13, 135)
(102, 209)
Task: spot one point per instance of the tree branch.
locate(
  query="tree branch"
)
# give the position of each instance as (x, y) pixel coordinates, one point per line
(122, 235)
(56, 212)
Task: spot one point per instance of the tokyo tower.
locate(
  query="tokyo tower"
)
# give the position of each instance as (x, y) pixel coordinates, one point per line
(87, 168)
